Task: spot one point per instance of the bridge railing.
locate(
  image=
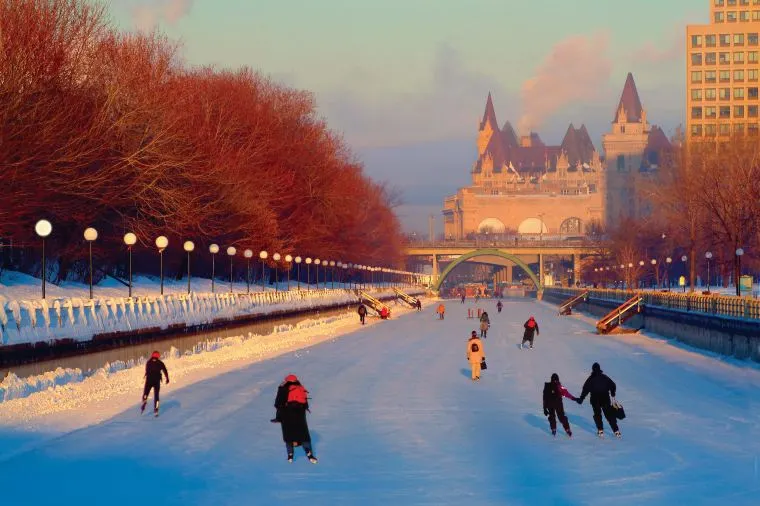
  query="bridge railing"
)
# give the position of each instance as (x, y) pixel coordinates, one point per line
(521, 243)
(735, 307)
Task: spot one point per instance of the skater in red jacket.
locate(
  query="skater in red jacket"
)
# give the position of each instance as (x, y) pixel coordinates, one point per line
(553, 407)
(153, 369)
(531, 330)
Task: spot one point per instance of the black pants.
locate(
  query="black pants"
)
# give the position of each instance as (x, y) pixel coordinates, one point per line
(361, 318)
(558, 411)
(527, 339)
(609, 414)
(306, 447)
(156, 389)
(483, 333)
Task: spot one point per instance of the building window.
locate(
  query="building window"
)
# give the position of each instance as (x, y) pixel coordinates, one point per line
(724, 129)
(755, 15)
(696, 58)
(724, 93)
(710, 76)
(696, 95)
(710, 112)
(696, 113)
(731, 3)
(752, 75)
(738, 39)
(696, 130)
(738, 56)
(718, 17)
(709, 59)
(720, 3)
(710, 40)
(696, 41)
(710, 130)
(725, 39)
(621, 163)
(739, 128)
(738, 111)
(739, 93)
(725, 76)
(743, 2)
(739, 76)
(731, 16)
(752, 92)
(725, 112)
(752, 111)
(724, 58)
(744, 16)
(696, 77)
(752, 129)
(752, 39)
(709, 93)
(752, 56)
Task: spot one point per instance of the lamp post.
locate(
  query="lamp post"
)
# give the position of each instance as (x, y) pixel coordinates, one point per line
(684, 258)
(668, 261)
(161, 243)
(130, 239)
(43, 228)
(248, 254)
(345, 274)
(332, 274)
(263, 256)
(708, 256)
(288, 260)
(656, 273)
(231, 252)
(317, 263)
(738, 275)
(213, 249)
(276, 257)
(90, 234)
(189, 247)
(298, 273)
(308, 263)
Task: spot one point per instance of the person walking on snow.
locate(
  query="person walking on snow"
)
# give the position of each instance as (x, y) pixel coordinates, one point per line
(463, 297)
(600, 386)
(153, 369)
(292, 404)
(362, 312)
(441, 311)
(475, 355)
(419, 305)
(531, 330)
(499, 305)
(485, 323)
(553, 407)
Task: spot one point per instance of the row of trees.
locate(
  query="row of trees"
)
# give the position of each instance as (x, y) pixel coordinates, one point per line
(113, 130)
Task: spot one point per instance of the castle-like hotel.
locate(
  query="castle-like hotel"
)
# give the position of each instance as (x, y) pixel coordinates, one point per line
(521, 185)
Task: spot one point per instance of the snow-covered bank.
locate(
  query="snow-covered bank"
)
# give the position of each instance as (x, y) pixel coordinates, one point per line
(66, 399)
(29, 321)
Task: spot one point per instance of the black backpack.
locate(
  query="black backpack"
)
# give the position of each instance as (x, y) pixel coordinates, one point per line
(474, 348)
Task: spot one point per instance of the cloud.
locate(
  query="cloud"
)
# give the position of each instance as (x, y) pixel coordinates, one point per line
(448, 106)
(148, 14)
(577, 68)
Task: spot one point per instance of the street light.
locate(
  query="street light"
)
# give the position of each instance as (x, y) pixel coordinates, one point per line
(248, 254)
(317, 263)
(130, 240)
(213, 249)
(684, 258)
(656, 274)
(289, 259)
(308, 263)
(188, 246)
(90, 234)
(708, 256)
(263, 256)
(276, 257)
(43, 229)
(298, 273)
(231, 252)
(332, 274)
(161, 243)
(668, 261)
(739, 253)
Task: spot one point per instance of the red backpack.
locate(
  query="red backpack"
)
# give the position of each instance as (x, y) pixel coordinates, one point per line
(531, 323)
(297, 393)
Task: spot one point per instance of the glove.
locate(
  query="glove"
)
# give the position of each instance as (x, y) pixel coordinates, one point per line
(579, 400)
(546, 412)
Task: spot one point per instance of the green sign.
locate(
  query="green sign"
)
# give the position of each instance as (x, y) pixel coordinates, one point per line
(745, 285)
(682, 281)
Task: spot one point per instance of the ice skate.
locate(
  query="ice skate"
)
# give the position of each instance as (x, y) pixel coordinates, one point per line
(554, 432)
(290, 458)
(155, 410)
(142, 408)
(312, 458)
(618, 434)
(600, 434)
(569, 434)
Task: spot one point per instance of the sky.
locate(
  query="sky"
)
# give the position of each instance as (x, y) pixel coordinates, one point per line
(405, 81)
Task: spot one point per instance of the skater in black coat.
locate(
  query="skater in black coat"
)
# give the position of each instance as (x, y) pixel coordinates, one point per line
(362, 312)
(600, 386)
(553, 406)
(292, 404)
(153, 369)
(531, 330)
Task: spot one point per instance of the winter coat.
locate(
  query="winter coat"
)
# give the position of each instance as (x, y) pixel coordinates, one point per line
(530, 331)
(362, 310)
(600, 386)
(553, 394)
(475, 356)
(484, 318)
(441, 309)
(153, 369)
(483, 325)
(292, 416)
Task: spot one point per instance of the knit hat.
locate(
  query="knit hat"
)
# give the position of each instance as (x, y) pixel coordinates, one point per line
(291, 378)
(155, 354)
(596, 367)
(555, 377)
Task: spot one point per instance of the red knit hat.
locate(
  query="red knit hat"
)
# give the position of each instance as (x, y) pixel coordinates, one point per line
(155, 354)
(290, 378)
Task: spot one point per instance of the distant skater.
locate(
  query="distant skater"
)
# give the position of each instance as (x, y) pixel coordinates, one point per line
(384, 313)
(553, 407)
(531, 330)
(485, 323)
(362, 313)
(601, 387)
(475, 355)
(153, 369)
(292, 403)
(441, 311)
(463, 297)
(419, 305)
(499, 306)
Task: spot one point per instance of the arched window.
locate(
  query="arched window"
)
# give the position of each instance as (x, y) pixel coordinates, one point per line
(492, 226)
(532, 226)
(571, 226)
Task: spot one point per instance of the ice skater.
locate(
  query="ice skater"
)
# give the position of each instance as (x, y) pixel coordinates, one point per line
(475, 355)
(362, 312)
(600, 386)
(292, 403)
(441, 311)
(553, 406)
(153, 369)
(531, 330)
(499, 306)
(419, 305)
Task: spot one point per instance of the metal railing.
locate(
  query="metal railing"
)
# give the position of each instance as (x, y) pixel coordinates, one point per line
(735, 307)
(521, 243)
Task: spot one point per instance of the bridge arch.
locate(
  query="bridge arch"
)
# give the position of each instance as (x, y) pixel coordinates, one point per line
(487, 252)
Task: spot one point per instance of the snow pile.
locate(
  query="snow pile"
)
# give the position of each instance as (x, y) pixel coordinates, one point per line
(29, 321)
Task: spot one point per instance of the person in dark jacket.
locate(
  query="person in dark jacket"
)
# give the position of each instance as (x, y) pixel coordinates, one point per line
(600, 386)
(362, 312)
(531, 330)
(419, 305)
(553, 407)
(292, 404)
(499, 306)
(153, 369)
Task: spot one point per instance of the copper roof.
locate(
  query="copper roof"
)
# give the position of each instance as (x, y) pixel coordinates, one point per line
(630, 101)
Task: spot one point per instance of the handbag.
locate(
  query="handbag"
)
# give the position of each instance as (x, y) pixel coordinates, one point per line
(483, 365)
(619, 410)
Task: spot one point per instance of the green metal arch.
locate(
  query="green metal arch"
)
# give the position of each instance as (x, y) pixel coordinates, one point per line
(487, 252)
